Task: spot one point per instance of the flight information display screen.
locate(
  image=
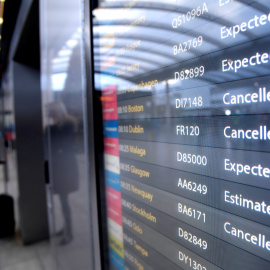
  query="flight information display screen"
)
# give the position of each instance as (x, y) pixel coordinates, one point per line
(185, 93)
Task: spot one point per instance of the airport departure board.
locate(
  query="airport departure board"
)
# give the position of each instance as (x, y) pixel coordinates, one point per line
(185, 93)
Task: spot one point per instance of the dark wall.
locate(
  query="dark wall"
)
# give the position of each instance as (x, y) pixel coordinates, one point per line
(29, 135)
(30, 159)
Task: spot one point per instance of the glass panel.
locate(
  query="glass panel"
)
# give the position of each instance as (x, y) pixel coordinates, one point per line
(63, 89)
(185, 98)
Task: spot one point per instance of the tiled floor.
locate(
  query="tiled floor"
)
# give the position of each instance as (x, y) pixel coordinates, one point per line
(73, 256)
(14, 256)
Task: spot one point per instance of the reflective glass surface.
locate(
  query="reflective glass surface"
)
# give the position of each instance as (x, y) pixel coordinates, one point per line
(185, 98)
(63, 90)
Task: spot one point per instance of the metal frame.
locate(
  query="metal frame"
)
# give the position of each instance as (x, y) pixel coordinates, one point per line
(94, 146)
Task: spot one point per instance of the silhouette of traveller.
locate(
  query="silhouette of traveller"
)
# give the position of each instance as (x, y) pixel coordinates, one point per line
(64, 164)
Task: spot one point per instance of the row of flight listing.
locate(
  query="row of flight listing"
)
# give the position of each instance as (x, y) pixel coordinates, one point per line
(194, 181)
(202, 202)
(195, 175)
(194, 158)
(250, 96)
(214, 197)
(224, 69)
(194, 228)
(186, 39)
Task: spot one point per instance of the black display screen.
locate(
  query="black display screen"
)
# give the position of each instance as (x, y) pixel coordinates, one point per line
(185, 91)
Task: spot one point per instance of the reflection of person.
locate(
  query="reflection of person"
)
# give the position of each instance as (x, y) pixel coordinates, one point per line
(64, 165)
